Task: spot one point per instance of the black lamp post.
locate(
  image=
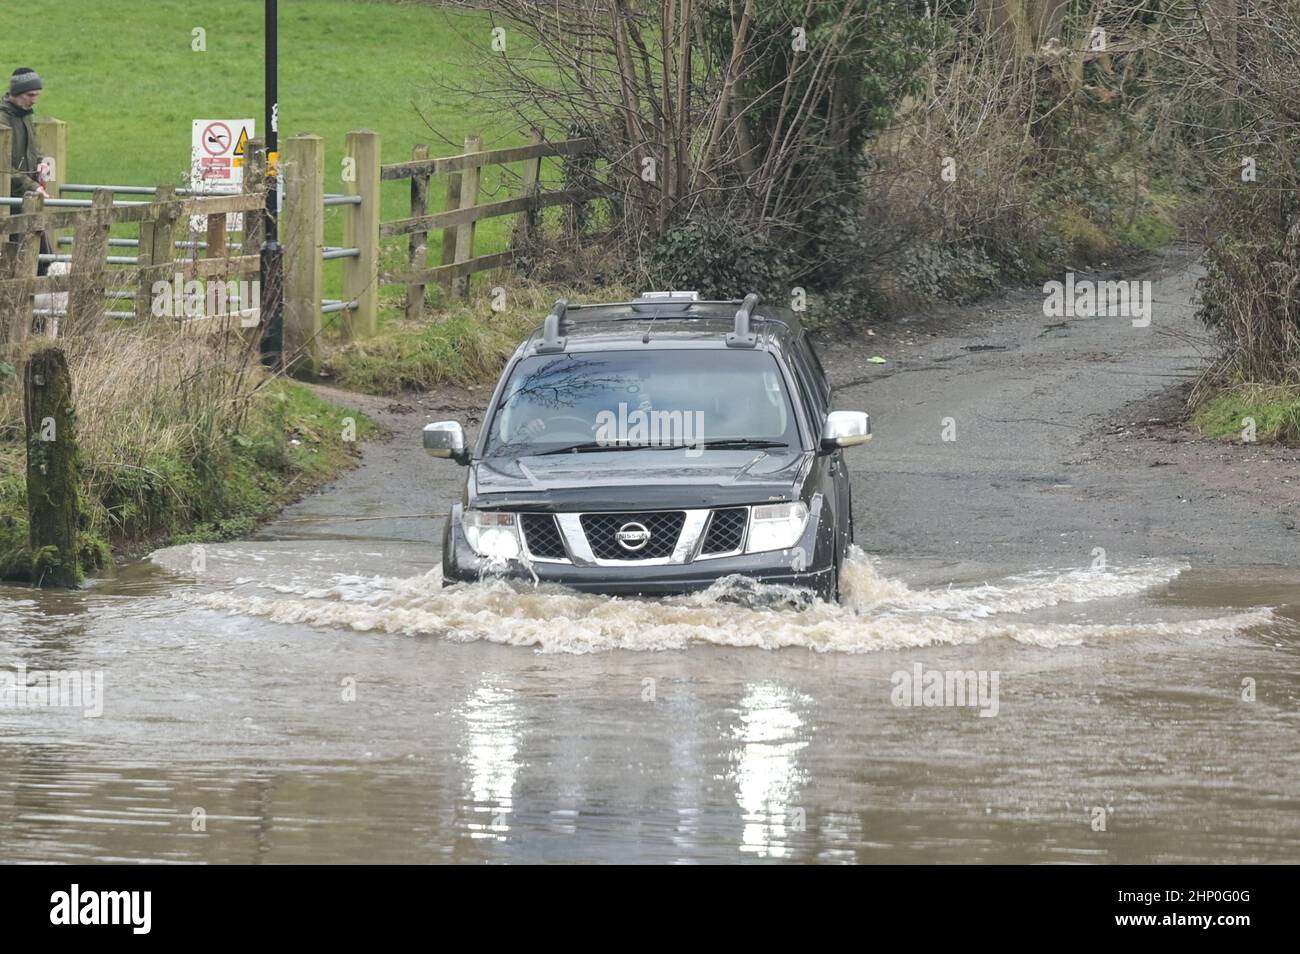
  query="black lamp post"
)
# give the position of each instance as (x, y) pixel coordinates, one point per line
(272, 264)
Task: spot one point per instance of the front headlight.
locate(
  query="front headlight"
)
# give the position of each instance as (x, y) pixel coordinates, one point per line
(492, 534)
(776, 526)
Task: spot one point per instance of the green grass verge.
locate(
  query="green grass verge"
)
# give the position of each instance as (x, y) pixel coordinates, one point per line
(213, 489)
(459, 349)
(466, 344)
(1274, 410)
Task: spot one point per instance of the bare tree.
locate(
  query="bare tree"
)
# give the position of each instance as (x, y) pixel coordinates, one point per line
(756, 112)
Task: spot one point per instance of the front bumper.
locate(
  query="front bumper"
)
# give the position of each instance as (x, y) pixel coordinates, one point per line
(809, 564)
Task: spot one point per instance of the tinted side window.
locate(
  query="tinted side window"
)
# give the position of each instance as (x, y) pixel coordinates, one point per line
(823, 382)
(816, 377)
(808, 391)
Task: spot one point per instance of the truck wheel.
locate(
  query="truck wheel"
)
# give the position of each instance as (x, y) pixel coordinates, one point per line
(830, 588)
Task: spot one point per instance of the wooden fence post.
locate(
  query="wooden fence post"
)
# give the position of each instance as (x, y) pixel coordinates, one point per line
(419, 250)
(164, 228)
(21, 261)
(578, 171)
(11, 297)
(532, 185)
(303, 167)
(450, 232)
(217, 232)
(254, 181)
(145, 277)
(6, 150)
(468, 199)
(216, 237)
(52, 143)
(51, 468)
(157, 250)
(254, 224)
(163, 250)
(361, 231)
(89, 261)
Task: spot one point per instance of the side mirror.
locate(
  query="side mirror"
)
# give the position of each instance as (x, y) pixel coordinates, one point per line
(446, 439)
(845, 429)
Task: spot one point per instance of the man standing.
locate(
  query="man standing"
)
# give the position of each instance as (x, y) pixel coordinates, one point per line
(16, 112)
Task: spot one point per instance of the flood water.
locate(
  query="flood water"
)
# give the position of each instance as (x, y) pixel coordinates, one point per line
(310, 701)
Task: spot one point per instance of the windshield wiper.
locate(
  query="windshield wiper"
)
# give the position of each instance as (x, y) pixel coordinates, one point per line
(739, 443)
(592, 446)
(733, 443)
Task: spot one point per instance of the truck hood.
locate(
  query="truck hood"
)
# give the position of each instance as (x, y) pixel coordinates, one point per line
(637, 479)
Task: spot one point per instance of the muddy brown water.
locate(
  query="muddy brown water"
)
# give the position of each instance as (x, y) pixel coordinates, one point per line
(314, 694)
(300, 701)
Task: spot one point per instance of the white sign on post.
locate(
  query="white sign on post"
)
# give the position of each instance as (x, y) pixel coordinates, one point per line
(217, 153)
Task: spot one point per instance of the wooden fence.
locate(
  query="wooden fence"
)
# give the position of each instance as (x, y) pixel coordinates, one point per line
(96, 278)
(464, 210)
(302, 220)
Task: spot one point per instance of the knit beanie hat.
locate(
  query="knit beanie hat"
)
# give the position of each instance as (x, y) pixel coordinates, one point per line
(24, 80)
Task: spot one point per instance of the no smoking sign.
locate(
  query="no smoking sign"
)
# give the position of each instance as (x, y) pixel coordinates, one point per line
(217, 139)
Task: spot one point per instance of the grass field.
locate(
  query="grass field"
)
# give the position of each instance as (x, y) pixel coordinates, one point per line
(126, 80)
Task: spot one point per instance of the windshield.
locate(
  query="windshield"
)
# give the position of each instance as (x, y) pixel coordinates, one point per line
(662, 399)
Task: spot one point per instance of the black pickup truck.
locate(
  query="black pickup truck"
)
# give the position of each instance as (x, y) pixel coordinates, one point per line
(653, 447)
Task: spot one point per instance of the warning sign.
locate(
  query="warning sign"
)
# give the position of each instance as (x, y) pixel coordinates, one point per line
(216, 168)
(216, 139)
(217, 152)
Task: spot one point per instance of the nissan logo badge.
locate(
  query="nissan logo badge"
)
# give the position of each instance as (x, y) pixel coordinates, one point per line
(633, 536)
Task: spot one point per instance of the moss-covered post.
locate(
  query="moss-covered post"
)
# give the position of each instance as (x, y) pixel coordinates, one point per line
(51, 468)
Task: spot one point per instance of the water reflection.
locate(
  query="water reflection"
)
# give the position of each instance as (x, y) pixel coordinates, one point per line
(686, 756)
(766, 773)
(491, 747)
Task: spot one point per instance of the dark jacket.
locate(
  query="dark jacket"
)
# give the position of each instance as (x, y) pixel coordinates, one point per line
(26, 156)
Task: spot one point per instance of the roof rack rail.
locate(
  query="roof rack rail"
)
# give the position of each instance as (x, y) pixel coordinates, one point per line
(742, 337)
(643, 302)
(552, 341)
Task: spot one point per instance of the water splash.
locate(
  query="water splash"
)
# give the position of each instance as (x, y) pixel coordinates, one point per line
(877, 613)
